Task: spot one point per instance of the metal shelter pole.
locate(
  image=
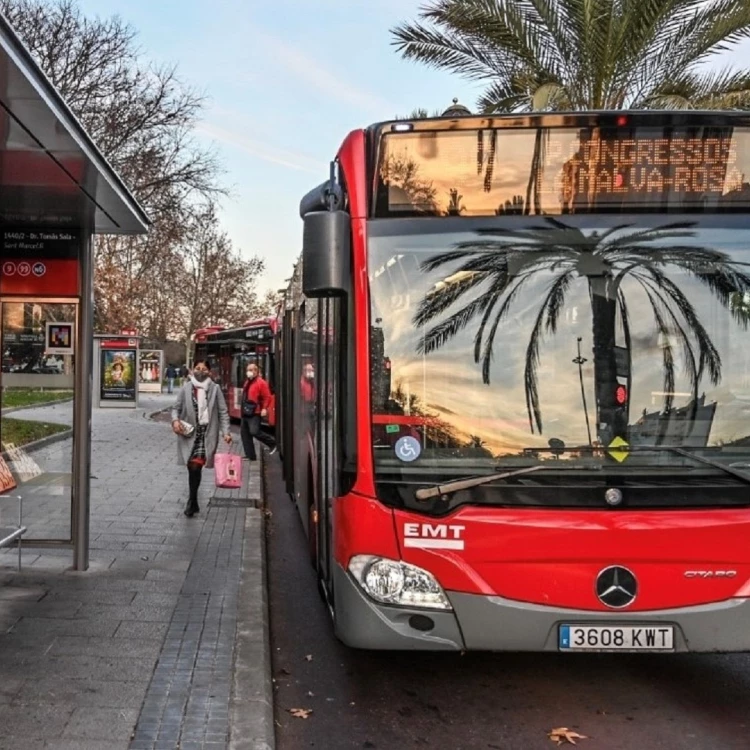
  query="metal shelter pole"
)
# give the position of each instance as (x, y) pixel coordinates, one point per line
(84, 367)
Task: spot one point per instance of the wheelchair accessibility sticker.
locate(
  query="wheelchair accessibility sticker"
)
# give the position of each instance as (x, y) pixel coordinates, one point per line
(408, 448)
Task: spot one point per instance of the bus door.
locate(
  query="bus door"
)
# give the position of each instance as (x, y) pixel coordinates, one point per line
(268, 371)
(237, 380)
(288, 351)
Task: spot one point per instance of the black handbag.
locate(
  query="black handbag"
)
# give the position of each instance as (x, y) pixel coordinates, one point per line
(249, 408)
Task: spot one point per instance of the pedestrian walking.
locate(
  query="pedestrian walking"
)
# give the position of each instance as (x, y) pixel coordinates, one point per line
(184, 374)
(171, 377)
(256, 398)
(199, 417)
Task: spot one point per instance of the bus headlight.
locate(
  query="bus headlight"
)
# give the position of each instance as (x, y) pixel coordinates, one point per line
(396, 582)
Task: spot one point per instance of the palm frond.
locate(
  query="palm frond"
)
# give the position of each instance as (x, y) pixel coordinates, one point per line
(694, 371)
(448, 328)
(440, 259)
(667, 358)
(438, 301)
(419, 113)
(722, 89)
(446, 52)
(545, 317)
(485, 352)
(709, 357)
(584, 54)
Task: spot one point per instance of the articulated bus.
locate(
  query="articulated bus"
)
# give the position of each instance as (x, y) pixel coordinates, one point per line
(230, 350)
(529, 428)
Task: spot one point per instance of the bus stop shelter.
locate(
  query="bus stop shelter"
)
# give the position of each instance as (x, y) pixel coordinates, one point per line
(56, 192)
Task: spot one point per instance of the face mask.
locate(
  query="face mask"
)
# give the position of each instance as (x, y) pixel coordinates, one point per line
(310, 375)
(200, 376)
(251, 374)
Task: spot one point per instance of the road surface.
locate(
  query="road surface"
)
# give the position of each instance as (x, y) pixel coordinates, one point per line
(391, 701)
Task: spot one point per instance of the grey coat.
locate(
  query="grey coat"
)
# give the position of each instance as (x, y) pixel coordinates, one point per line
(218, 424)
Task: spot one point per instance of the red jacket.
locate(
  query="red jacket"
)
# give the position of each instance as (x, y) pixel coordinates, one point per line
(257, 391)
(307, 389)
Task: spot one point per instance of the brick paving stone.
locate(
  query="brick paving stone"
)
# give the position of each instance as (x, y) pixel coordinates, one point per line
(194, 672)
(136, 651)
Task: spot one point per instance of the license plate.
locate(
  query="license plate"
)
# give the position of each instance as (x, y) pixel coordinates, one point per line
(616, 638)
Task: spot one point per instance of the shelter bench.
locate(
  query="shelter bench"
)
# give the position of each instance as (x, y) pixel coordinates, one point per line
(10, 535)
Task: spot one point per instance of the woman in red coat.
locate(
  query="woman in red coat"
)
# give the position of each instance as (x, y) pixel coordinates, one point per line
(256, 397)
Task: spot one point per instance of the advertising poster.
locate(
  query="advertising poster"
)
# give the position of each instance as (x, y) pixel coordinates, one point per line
(150, 371)
(7, 480)
(59, 338)
(118, 375)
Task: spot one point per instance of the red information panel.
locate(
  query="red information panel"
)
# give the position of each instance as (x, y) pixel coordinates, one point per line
(44, 278)
(39, 263)
(121, 342)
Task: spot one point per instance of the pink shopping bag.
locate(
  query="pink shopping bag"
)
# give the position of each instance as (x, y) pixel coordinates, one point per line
(228, 468)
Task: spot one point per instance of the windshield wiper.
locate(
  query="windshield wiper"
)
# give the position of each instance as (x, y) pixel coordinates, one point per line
(427, 493)
(651, 449)
(682, 452)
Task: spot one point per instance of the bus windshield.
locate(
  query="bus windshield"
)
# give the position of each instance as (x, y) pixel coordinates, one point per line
(502, 342)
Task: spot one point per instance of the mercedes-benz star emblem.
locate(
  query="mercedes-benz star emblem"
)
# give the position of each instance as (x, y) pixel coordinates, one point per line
(616, 587)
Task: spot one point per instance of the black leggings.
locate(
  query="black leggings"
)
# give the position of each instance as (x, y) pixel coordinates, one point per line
(251, 429)
(194, 481)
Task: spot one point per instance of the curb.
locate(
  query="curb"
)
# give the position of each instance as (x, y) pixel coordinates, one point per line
(45, 441)
(251, 705)
(12, 409)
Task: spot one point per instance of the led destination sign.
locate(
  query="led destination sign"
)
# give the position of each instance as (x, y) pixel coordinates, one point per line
(691, 168)
(481, 172)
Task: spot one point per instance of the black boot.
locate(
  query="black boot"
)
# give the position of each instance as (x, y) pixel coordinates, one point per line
(194, 482)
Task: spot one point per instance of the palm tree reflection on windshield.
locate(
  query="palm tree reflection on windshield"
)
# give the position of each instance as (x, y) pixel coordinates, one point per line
(511, 259)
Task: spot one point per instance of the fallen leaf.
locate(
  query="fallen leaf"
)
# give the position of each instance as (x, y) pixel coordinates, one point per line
(563, 734)
(308, 657)
(300, 713)
(310, 694)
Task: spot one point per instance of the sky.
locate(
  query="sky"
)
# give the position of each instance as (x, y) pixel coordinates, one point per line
(286, 82)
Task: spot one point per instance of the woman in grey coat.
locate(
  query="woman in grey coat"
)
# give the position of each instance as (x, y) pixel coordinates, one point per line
(201, 406)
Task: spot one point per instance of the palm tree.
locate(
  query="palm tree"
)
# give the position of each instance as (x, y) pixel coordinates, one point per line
(420, 113)
(401, 175)
(455, 206)
(437, 433)
(510, 259)
(566, 54)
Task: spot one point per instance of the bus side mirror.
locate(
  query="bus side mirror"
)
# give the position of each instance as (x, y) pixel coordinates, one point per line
(326, 249)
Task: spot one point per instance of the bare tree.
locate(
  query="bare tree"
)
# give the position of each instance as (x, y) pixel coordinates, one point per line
(401, 175)
(216, 285)
(140, 115)
(143, 118)
(268, 306)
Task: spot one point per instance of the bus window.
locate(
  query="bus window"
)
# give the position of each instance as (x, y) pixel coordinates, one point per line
(238, 370)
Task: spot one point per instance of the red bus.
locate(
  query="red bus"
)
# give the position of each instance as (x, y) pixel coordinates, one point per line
(530, 426)
(230, 350)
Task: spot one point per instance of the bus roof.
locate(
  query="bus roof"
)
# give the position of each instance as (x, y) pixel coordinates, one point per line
(610, 118)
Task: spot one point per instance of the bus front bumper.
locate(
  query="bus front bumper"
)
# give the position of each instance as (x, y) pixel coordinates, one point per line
(491, 623)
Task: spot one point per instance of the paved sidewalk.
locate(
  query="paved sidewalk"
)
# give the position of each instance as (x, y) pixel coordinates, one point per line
(139, 651)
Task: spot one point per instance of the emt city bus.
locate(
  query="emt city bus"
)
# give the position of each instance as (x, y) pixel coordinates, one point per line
(530, 427)
(230, 351)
